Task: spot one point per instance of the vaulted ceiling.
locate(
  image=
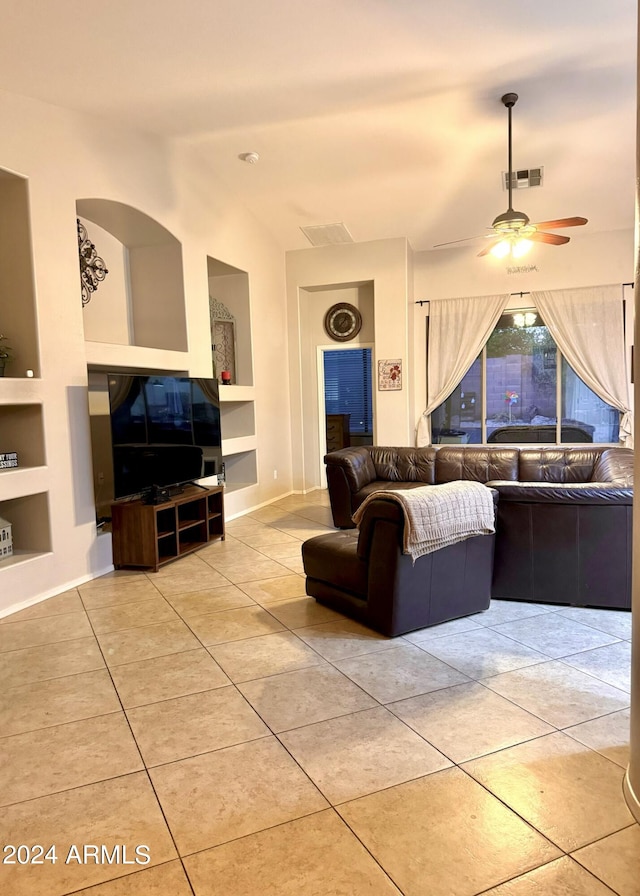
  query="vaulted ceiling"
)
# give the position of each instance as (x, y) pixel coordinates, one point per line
(382, 114)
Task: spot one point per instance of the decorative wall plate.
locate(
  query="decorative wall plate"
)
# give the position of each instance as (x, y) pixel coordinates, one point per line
(343, 322)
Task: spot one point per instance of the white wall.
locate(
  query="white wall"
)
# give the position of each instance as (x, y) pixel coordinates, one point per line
(84, 156)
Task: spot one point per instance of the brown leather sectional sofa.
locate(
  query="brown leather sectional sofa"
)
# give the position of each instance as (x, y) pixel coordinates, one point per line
(563, 531)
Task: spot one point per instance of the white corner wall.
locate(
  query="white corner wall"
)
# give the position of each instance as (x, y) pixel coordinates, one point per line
(387, 264)
(84, 156)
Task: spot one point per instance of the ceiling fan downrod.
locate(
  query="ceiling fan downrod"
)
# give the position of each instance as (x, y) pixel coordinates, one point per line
(510, 220)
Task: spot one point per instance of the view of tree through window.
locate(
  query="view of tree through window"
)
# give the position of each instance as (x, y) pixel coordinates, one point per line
(520, 366)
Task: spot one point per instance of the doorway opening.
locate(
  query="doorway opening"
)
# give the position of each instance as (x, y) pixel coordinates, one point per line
(348, 397)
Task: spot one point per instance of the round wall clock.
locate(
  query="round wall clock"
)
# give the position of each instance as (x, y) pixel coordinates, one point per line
(343, 321)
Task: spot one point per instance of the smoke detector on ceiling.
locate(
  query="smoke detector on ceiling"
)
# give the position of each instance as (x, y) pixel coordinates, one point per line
(250, 157)
(523, 178)
(327, 234)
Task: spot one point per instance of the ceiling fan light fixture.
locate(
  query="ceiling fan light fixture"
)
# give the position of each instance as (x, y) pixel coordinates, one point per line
(521, 247)
(501, 249)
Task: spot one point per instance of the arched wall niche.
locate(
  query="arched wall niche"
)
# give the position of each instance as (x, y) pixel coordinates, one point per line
(141, 301)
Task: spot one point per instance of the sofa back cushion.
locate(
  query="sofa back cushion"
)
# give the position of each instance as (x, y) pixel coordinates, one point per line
(614, 465)
(404, 464)
(477, 463)
(557, 464)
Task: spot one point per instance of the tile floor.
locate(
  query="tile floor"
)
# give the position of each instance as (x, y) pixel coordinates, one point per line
(248, 740)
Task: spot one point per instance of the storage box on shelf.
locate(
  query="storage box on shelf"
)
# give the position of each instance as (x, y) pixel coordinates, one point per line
(150, 535)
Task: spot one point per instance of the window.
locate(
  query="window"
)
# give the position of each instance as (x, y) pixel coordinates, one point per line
(513, 390)
(347, 387)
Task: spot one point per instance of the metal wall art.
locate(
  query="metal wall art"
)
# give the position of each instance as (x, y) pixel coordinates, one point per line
(223, 341)
(92, 267)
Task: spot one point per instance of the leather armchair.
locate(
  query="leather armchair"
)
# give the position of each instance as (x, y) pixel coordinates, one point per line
(365, 575)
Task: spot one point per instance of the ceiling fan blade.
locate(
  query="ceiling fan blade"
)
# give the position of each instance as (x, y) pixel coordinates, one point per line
(561, 222)
(488, 248)
(555, 239)
(453, 242)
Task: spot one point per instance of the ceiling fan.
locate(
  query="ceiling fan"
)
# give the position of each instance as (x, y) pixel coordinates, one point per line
(513, 233)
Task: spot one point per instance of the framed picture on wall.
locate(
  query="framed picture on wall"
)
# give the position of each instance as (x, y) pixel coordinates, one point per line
(390, 375)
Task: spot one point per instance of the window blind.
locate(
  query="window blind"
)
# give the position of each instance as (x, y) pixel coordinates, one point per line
(347, 387)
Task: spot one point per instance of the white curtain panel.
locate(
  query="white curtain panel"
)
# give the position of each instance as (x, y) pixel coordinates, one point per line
(458, 329)
(588, 327)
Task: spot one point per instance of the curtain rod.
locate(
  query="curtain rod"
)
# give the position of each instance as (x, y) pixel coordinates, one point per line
(521, 294)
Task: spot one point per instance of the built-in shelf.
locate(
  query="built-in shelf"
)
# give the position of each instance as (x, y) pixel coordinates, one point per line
(110, 356)
(20, 481)
(21, 431)
(238, 445)
(237, 393)
(20, 390)
(29, 518)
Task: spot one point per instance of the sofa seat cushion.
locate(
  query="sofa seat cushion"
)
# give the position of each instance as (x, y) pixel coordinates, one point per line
(334, 557)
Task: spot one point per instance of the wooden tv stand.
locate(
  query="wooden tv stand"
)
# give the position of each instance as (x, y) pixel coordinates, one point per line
(150, 535)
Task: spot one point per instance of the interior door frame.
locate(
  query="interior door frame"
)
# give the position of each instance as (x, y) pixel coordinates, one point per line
(322, 433)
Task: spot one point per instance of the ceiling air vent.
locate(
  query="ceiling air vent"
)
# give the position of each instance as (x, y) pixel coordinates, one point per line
(524, 177)
(327, 234)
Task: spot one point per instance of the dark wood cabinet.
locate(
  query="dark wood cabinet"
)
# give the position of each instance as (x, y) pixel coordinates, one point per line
(338, 432)
(150, 535)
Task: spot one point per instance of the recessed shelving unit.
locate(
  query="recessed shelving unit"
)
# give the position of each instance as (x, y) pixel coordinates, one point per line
(230, 287)
(24, 495)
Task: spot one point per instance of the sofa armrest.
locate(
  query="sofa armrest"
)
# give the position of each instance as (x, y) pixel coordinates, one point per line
(356, 465)
(615, 465)
(557, 493)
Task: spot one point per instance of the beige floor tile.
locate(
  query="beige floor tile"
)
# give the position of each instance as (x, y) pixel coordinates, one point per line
(230, 793)
(46, 630)
(247, 524)
(270, 515)
(361, 753)
(117, 591)
(558, 694)
(294, 564)
(43, 704)
(582, 790)
(313, 855)
(200, 603)
(266, 535)
(234, 625)
(344, 638)
(163, 880)
(180, 582)
(165, 677)
(444, 835)
(482, 652)
(123, 811)
(300, 698)
(66, 756)
(135, 644)
(186, 566)
(468, 720)
(509, 610)
(398, 673)
(68, 602)
(554, 635)
(320, 515)
(49, 661)
(453, 627)
(611, 664)
(613, 622)
(134, 615)
(265, 655)
(305, 529)
(283, 553)
(270, 590)
(563, 877)
(197, 723)
(615, 860)
(238, 573)
(608, 735)
(300, 612)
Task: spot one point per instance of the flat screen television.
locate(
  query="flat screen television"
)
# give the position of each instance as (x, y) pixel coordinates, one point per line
(165, 431)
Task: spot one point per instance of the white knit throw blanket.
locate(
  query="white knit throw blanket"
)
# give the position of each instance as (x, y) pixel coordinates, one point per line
(439, 515)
